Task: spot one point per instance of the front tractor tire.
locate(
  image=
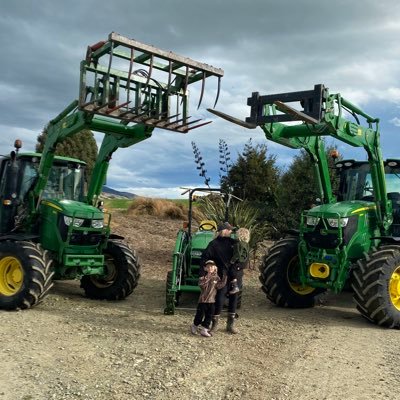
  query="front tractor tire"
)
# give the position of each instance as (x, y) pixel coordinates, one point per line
(376, 285)
(123, 272)
(25, 274)
(280, 276)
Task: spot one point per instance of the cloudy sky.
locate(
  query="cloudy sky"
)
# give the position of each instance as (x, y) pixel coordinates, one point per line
(352, 47)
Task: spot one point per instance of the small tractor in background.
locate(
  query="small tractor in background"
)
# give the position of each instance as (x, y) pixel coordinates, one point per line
(189, 246)
(352, 236)
(51, 226)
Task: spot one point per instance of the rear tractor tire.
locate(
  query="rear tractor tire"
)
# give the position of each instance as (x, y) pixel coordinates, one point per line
(25, 274)
(123, 272)
(376, 285)
(280, 276)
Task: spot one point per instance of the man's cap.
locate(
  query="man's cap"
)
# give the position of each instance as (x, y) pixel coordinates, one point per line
(224, 225)
(210, 262)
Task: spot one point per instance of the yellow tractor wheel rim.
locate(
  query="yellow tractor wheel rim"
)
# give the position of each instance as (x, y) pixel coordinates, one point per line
(297, 287)
(11, 276)
(394, 288)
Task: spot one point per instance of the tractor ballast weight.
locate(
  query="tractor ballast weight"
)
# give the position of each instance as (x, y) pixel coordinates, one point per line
(51, 228)
(349, 238)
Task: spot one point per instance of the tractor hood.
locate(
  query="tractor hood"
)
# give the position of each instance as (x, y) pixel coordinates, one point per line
(73, 208)
(201, 239)
(342, 209)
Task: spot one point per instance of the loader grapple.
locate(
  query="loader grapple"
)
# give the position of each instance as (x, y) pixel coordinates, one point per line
(135, 82)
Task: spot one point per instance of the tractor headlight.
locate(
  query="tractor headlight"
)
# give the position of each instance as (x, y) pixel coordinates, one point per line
(77, 221)
(334, 222)
(312, 221)
(97, 223)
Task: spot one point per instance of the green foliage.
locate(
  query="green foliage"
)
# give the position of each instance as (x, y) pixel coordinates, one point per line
(240, 214)
(298, 190)
(81, 146)
(279, 198)
(254, 176)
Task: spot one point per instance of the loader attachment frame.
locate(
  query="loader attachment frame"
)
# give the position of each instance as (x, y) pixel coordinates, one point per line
(139, 83)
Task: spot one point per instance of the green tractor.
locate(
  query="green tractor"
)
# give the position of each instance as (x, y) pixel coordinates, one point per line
(52, 223)
(351, 237)
(189, 246)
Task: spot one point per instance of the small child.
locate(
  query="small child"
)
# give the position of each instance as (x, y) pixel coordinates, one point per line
(239, 259)
(209, 284)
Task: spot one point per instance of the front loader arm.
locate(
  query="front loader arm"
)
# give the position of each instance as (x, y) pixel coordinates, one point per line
(63, 126)
(320, 114)
(121, 94)
(127, 136)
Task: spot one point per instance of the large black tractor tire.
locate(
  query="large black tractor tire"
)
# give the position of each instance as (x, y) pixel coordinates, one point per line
(25, 274)
(376, 285)
(123, 272)
(279, 276)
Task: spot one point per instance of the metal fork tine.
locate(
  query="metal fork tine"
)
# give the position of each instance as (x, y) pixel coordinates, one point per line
(173, 116)
(203, 83)
(191, 122)
(110, 110)
(198, 126)
(218, 91)
(130, 110)
(102, 106)
(175, 122)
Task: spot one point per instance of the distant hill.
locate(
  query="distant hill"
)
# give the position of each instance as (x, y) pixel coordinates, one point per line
(108, 192)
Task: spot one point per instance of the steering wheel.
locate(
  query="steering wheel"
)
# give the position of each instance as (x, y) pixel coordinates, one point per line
(207, 226)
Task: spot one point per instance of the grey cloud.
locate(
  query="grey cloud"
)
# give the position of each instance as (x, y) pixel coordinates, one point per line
(263, 45)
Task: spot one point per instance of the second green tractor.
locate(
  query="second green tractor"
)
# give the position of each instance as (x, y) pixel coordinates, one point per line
(352, 238)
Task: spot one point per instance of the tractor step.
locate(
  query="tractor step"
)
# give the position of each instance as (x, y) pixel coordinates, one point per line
(139, 83)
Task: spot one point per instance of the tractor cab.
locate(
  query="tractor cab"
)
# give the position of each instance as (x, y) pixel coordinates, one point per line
(19, 173)
(356, 184)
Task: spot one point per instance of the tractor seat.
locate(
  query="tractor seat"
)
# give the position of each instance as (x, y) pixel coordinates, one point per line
(207, 225)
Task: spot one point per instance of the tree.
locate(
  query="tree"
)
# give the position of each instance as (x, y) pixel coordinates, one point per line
(254, 176)
(82, 146)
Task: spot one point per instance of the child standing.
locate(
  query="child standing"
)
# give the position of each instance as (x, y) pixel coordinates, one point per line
(209, 284)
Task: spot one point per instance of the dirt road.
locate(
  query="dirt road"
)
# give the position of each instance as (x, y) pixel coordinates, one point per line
(70, 347)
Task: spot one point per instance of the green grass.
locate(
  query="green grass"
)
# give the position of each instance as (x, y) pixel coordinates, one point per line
(112, 204)
(184, 202)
